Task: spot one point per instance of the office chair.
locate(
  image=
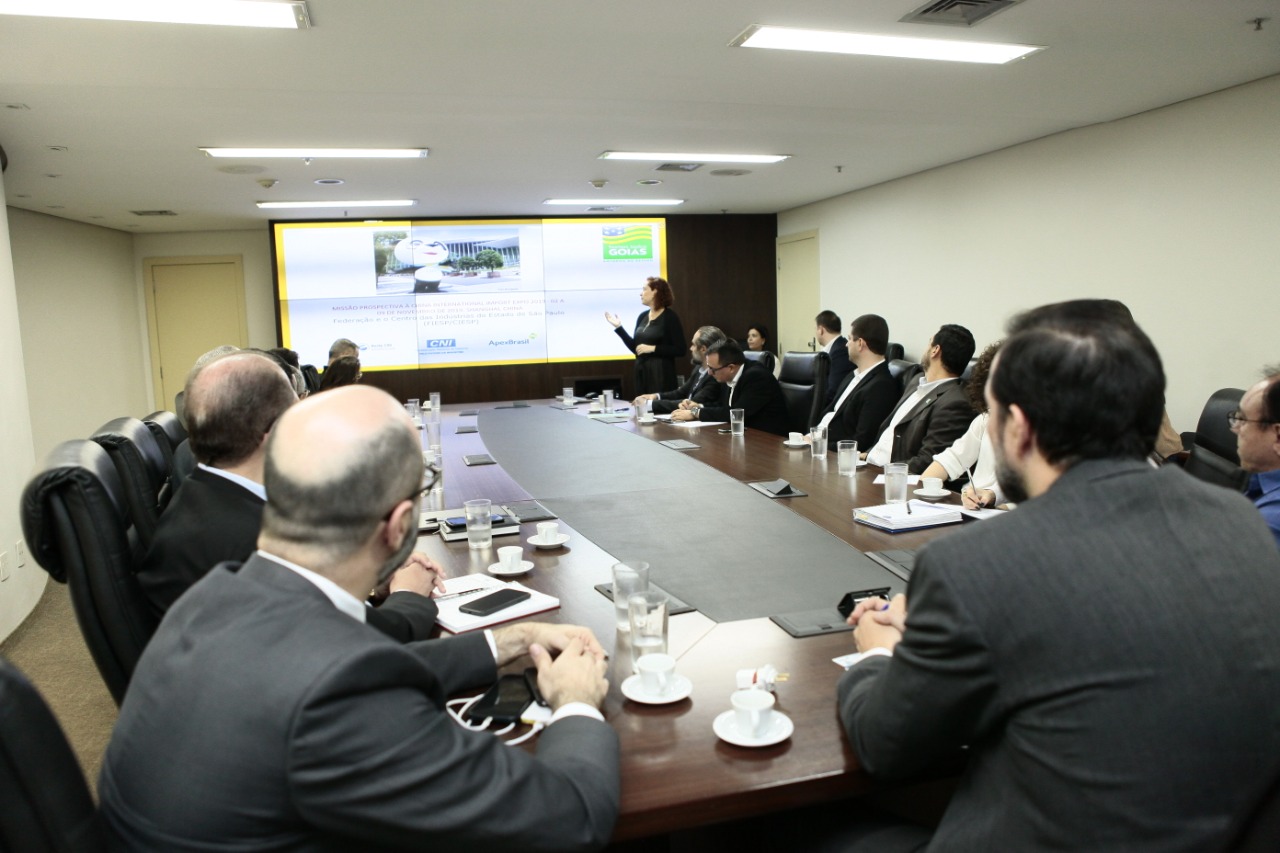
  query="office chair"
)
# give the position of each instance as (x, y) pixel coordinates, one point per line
(903, 371)
(47, 805)
(894, 352)
(168, 432)
(1256, 828)
(1213, 455)
(804, 383)
(143, 470)
(763, 357)
(76, 525)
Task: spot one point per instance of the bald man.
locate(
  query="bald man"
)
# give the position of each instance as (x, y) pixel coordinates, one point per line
(265, 715)
(233, 400)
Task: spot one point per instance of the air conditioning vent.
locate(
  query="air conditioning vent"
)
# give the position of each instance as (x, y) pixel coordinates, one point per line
(678, 167)
(153, 213)
(601, 209)
(729, 173)
(957, 13)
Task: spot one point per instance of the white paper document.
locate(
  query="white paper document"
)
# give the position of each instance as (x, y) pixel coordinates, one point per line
(463, 590)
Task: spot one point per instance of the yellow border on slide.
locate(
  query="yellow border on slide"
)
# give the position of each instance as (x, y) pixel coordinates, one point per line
(282, 286)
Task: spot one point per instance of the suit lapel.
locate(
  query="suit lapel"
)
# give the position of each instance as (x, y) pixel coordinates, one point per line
(928, 400)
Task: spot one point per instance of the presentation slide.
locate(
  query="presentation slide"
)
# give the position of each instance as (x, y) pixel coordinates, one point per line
(453, 293)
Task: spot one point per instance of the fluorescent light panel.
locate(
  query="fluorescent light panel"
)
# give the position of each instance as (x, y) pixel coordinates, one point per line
(317, 153)
(383, 202)
(617, 202)
(865, 44)
(231, 13)
(676, 157)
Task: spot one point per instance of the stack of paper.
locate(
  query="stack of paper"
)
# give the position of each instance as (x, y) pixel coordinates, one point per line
(463, 590)
(896, 517)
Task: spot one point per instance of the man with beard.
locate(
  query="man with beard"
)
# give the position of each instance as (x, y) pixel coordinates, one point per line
(266, 715)
(934, 411)
(1109, 653)
(699, 387)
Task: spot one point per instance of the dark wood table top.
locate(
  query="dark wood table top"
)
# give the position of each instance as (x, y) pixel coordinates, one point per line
(676, 773)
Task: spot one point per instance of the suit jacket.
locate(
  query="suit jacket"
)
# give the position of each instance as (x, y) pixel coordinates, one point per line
(1109, 652)
(931, 426)
(212, 520)
(759, 395)
(866, 408)
(261, 717)
(840, 368)
(700, 387)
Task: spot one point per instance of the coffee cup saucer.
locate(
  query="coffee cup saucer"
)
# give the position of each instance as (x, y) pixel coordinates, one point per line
(560, 539)
(726, 728)
(633, 689)
(932, 496)
(497, 569)
(649, 420)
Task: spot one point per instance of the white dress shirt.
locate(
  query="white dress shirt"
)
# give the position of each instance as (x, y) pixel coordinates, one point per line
(973, 449)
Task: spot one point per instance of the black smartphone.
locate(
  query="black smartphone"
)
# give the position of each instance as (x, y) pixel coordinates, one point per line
(457, 522)
(505, 701)
(500, 600)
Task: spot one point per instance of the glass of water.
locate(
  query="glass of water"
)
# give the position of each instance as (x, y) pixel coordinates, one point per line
(629, 577)
(648, 611)
(479, 523)
(895, 483)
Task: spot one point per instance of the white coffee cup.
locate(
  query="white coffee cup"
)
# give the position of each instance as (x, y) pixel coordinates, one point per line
(795, 437)
(752, 711)
(931, 485)
(548, 532)
(657, 673)
(509, 557)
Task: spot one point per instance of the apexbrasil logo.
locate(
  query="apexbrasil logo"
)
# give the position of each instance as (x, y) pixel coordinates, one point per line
(628, 242)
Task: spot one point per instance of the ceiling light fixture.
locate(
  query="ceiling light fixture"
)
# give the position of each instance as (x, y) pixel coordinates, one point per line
(663, 157)
(866, 44)
(382, 202)
(317, 153)
(231, 13)
(617, 202)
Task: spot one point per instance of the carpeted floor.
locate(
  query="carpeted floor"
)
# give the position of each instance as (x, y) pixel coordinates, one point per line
(48, 647)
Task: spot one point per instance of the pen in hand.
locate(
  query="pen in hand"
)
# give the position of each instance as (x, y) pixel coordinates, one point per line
(978, 502)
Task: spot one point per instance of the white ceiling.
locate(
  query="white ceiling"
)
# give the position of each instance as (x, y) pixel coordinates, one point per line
(517, 98)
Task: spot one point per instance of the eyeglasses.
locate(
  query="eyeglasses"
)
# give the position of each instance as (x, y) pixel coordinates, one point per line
(1237, 417)
(715, 370)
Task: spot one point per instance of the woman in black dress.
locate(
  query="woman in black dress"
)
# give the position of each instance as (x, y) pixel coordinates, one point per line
(658, 340)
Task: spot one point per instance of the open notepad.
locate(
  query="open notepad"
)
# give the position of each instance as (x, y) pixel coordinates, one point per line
(462, 590)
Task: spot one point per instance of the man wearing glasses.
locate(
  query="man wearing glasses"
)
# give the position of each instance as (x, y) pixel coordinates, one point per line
(1257, 428)
(752, 388)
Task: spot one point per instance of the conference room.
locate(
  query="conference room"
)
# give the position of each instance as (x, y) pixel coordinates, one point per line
(925, 192)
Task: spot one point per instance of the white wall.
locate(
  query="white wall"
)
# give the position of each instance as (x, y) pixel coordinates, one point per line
(1176, 212)
(84, 341)
(22, 590)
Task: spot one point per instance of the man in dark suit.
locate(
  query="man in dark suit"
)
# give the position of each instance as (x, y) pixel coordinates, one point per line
(934, 411)
(232, 401)
(1257, 428)
(869, 392)
(752, 388)
(699, 387)
(836, 347)
(1108, 652)
(264, 715)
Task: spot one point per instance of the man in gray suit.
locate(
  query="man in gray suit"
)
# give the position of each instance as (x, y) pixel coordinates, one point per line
(1109, 652)
(266, 715)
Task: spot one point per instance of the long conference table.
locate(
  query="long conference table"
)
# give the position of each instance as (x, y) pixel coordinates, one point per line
(721, 546)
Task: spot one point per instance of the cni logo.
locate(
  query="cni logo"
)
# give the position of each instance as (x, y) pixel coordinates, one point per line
(440, 343)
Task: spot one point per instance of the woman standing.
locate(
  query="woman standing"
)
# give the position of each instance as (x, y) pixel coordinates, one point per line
(658, 340)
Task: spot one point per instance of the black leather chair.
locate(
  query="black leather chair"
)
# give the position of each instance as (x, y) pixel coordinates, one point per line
(47, 805)
(762, 356)
(1257, 828)
(895, 352)
(143, 468)
(76, 525)
(804, 383)
(168, 432)
(903, 371)
(1213, 456)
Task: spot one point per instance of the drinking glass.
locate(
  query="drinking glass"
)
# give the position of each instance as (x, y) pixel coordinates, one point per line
(818, 442)
(648, 612)
(847, 456)
(895, 483)
(629, 577)
(738, 421)
(479, 523)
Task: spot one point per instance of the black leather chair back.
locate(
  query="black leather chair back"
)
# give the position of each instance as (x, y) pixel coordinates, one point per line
(1213, 456)
(167, 430)
(143, 469)
(47, 806)
(895, 352)
(902, 371)
(763, 356)
(46, 802)
(1257, 828)
(76, 525)
(804, 383)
